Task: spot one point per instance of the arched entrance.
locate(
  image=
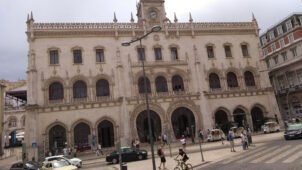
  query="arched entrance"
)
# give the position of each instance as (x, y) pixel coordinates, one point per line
(240, 118)
(143, 128)
(183, 122)
(258, 118)
(57, 138)
(221, 121)
(81, 133)
(106, 134)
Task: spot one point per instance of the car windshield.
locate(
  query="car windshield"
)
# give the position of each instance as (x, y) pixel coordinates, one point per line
(294, 126)
(60, 164)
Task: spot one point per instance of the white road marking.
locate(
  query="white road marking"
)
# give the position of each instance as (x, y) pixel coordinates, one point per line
(293, 157)
(284, 154)
(270, 154)
(251, 157)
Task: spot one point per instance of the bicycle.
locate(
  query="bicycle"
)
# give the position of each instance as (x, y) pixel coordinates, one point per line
(181, 165)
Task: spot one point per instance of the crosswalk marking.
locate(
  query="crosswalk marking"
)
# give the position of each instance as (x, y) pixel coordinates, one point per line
(251, 154)
(293, 157)
(270, 154)
(257, 154)
(284, 154)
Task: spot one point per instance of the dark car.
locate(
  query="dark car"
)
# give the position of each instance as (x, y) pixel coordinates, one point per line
(128, 154)
(25, 166)
(293, 131)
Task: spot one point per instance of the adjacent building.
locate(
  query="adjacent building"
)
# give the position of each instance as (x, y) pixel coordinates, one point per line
(282, 53)
(84, 87)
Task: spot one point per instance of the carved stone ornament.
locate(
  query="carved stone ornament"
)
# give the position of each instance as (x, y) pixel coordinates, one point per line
(101, 68)
(156, 37)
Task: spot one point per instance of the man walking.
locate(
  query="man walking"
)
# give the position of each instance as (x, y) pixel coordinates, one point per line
(230, 138)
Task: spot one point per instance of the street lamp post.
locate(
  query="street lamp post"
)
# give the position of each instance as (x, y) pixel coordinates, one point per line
(142, 58)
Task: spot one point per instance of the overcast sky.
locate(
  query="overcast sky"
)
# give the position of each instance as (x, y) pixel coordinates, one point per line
(13, 13)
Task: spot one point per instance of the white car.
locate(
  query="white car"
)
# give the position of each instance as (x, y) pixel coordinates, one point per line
(58, 165)
(215, 135)
(74, 161)
(269, 127)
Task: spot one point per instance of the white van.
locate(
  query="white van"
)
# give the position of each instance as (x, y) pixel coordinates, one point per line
(270, 127)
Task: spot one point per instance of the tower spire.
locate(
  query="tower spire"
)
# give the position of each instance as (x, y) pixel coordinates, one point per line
(132, 20)
(190, 17)
(175, 18)
(114, 18)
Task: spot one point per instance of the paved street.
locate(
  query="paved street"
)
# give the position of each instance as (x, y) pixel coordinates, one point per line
(269, 152)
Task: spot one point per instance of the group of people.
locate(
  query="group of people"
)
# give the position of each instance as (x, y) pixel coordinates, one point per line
(246, 139)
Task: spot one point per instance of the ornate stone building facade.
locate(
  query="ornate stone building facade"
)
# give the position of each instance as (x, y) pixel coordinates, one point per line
(282, 49)
(84, 87)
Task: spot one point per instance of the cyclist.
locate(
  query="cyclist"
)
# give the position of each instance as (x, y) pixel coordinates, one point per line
(184, 156)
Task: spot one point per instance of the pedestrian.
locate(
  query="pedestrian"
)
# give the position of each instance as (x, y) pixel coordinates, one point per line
(137, 144)
(162, 157)
(65, 151)
(165, 139)
(183, 142)
(230, 138)
(193, 138)
(133, 144)
(200, 135)
(221, 136)
(249, 136)
(244, 140)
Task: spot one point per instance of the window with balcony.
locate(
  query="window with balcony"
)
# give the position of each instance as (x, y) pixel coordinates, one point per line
(294, 52)
(53, 57)
(79, 89)
(271, 35)
(100, 56)
(280, 30)
(141, 54)
(275, 60)
(77, 57)
(267, 61)
(174, 53)
(289, 25)
(291, 38)
(227, 50)
(284, 56)
(12, 122)
(281, 82)
(158, 54)
(290, 78)
(161, 84)
(210, 51)
(244, 49)
(141, 85)
(214, 81)
(299, 76)
(273, 46)
(282, 44)
(102, 88)
(264, 40)
(177, 83)
(232, 80)
(56, 91)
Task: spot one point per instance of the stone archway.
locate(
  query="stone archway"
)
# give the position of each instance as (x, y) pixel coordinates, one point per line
(221, 121)
(106, 133)
(240, 117)
(257, 118)
(81, 133)
(143, 128)
(57, 138)
(183, 122)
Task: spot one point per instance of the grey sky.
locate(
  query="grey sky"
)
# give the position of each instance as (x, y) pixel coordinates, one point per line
(13, 13)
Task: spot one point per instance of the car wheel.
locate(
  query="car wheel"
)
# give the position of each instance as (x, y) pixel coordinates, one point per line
(114, 161)
(140, 157)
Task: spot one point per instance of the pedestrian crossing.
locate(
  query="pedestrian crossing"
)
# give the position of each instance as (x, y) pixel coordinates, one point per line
(268, 155)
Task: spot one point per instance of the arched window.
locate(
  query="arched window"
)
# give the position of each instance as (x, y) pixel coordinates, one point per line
(161, 84)
(141, 87)
(79, 89)
(249, 78)
(102, 88)
(232, 80)
(56, 91)
(177, 83)
(214, 81)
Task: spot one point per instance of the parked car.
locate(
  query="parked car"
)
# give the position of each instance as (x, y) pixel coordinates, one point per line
(128, 154)
(237, 131)
(74, 161)
(215, 135)
(270, 127)
(293, 131)
(58, 165)
(25, 166)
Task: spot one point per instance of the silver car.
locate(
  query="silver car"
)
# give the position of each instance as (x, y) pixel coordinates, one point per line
(74, 161)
